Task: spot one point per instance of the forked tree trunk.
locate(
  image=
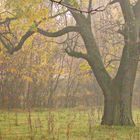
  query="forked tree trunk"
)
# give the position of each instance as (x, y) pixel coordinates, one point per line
(118, 91)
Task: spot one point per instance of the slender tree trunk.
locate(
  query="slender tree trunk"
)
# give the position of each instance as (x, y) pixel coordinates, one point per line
(50, 103)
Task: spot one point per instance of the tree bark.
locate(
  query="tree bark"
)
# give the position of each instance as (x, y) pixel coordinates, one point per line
(117, 110)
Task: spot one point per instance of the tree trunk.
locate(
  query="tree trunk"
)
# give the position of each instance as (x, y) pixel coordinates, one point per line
(118, 102)
(50, 103)
(117, 110)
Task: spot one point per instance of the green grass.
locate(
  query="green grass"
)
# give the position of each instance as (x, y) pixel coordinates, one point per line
(63, 124)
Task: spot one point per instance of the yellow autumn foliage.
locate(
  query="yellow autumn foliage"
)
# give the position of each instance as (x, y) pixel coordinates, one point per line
(27, 78)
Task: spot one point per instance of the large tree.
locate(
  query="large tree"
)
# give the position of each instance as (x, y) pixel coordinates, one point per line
(117, 91)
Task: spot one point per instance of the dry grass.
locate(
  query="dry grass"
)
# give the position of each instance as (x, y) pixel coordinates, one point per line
(62, 124)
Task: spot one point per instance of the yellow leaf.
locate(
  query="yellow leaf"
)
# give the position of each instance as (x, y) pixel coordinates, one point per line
(27, 78)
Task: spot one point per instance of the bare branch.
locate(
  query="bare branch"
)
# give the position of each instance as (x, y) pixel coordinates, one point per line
(91, 11)
(113, 2)
(76, 54)
(61, 13)
(110, 61)
(7, 20)
(4, 44)
(58, 33)
(22, 41)
(12, 49)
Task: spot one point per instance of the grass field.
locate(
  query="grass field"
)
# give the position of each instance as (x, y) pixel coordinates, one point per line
(62, 124)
